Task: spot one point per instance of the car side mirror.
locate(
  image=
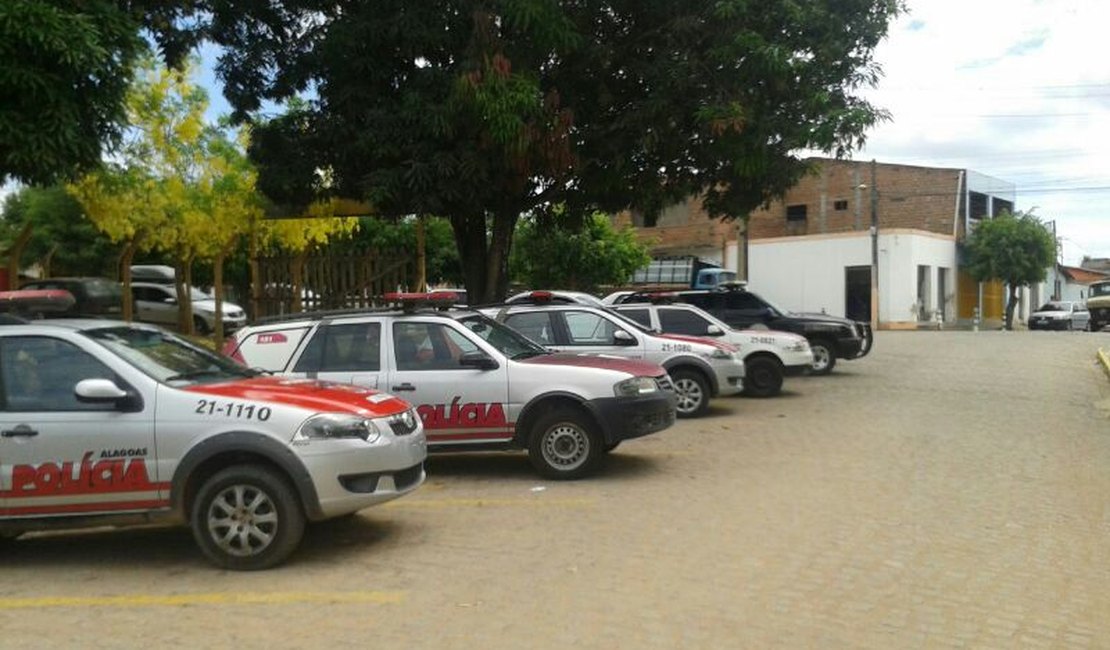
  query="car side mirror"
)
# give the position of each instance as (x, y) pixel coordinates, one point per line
(714, 330)
(479, 360)
(621, 337)
(105, 391)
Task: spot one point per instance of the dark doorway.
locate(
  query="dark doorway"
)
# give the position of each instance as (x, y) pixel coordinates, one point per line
(857, 293)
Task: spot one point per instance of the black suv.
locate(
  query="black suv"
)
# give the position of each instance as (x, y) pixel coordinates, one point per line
(830, 337)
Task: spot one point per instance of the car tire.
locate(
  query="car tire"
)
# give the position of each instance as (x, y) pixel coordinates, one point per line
(1070, 325)
(692, 391)
(762, 377)
(610, 446)
(201, 326)
(824, 357)
(246, 518)
(565, 444)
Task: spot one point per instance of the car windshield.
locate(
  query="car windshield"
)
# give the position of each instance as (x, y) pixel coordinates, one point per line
(1055, 306)
(508, 341)
(166, 357)
(1100, 289)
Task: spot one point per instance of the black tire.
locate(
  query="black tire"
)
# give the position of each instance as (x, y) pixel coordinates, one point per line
(824, 356)
(565, 444)
(1070, 326)
(201, 326)
(692, 390)
(259, 505)
(610, 446)
(762, 376)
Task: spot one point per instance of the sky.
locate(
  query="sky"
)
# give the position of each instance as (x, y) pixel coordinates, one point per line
(1014, 89)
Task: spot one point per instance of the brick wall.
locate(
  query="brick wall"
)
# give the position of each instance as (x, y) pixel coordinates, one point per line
(919, 198)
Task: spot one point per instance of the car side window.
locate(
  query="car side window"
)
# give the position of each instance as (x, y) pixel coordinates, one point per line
(682, 321)
(352, 347)
(429, 346)
(39, 373)
(641, 316)
(535, 325)
(587, 328)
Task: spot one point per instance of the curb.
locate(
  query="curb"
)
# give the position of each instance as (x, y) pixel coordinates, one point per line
(1105, 360)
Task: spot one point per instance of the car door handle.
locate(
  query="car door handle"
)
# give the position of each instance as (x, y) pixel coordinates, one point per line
(404, 386)
(20, 430)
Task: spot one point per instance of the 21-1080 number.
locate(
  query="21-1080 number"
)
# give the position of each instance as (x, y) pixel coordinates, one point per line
(233, 410)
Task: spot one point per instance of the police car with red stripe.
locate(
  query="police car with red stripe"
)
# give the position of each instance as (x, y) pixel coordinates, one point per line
(477, 384)
(701, 368)
(109, 423)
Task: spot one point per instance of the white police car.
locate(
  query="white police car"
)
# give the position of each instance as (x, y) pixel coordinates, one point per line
(768, 355)
(110, 423)
(701, 368)
(477, 384)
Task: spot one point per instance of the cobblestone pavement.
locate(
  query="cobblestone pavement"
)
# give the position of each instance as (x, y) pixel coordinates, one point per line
(949, 491)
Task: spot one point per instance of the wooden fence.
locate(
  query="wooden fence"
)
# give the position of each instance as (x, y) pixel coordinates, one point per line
(330, 281)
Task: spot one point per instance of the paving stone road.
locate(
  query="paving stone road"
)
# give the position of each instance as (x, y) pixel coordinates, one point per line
(949, 491)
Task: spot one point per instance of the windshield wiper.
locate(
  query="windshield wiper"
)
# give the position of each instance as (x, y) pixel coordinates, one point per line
(528, 354)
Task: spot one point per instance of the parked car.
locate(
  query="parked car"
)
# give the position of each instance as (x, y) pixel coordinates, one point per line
(769, 356)
(157, 273)
(107, 423)
(830, 337)
(93, 297)
(157, 303)
(1098, 303)
(701, 368)
(1060, 315)
(477, 384)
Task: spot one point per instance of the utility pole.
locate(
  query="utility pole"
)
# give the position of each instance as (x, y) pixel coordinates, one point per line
(874, 249)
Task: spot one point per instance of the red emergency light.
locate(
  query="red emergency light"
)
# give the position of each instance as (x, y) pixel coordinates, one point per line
(541, 296)
(413, 300)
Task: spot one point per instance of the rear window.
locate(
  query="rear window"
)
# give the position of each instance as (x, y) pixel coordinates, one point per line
(271, 349)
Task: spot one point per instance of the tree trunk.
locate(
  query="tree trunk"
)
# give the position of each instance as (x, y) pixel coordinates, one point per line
(15, 253)
(497, 262)
(256, 278)
(1011, 303)
(470, 238)
(297, 270)
(125, 259)
(183, 273)
(421, 258)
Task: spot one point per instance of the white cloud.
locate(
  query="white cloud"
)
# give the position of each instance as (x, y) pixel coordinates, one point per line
(1011, 89)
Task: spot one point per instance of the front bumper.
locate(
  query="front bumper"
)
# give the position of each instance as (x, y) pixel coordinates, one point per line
(729, 376)
(624, 418)
(856, 347)
(1048, 323)
(351, 474)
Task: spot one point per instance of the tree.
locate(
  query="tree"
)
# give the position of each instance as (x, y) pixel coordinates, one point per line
(1016, 249)
(555, 255)
(481, 111)
(65, 66)
(61, 240)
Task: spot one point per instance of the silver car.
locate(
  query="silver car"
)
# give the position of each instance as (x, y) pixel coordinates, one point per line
(1061, 315)
(157, 303)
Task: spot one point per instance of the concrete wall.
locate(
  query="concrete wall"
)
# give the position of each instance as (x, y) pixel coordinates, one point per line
(807, 273)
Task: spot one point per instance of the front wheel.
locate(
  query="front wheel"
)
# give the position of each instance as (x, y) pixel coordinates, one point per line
(565, 445)
(200, 326)
(692, 391)
(824, 357)
(762, 377)
(247, 517)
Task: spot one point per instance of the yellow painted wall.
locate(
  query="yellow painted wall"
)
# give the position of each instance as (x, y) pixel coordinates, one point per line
(994, 298)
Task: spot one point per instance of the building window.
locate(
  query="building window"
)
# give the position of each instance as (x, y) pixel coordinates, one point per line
(841, 204)
(796, 213)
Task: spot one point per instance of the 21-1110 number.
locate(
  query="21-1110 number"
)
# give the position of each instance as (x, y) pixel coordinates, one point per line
(233, 410)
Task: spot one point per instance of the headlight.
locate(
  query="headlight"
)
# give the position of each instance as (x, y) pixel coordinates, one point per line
(335, 425)
(635, 386)
(797, 346)
(718, 353)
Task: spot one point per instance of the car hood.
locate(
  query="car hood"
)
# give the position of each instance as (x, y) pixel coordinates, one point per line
(308, 394)
(620, 364)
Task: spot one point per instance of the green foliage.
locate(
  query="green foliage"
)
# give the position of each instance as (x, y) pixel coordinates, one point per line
(61, 232)
(483, 110)
(441, 256)
(553, 255)
(65, 66)
(1014, 248)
